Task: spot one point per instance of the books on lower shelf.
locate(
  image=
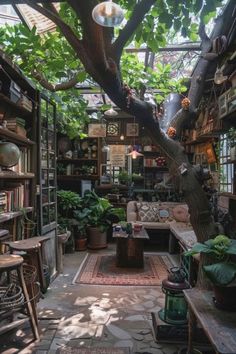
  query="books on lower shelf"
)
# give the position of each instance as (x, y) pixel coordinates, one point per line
(24, 163)
(14, 197)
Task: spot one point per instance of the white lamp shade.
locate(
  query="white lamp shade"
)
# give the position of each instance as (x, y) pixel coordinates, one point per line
(134, 154)
(111, 112)
(108, 14)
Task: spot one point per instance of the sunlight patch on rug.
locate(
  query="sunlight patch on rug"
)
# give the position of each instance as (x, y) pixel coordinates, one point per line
(102, 270)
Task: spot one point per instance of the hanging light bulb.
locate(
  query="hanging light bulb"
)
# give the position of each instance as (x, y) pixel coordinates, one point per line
(219, 77)
(122, 137)
(134, 154)
(111, 112)
(108, 14)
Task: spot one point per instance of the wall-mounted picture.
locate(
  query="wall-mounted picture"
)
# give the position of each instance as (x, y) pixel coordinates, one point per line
(113, 129)
(96, 130)
(132, 129)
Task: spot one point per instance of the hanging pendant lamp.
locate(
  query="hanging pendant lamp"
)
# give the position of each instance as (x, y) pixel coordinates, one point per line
(111, 112)
(108, 14)
(134, 154)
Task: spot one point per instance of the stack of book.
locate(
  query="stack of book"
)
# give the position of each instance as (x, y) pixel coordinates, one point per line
(24, 164)
(25, 102)
(17, 125)
(3, 202)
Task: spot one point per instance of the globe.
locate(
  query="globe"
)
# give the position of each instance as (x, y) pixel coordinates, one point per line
(9, 154)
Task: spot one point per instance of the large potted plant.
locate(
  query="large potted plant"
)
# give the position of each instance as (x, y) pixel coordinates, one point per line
(222, 270)
(100, 215)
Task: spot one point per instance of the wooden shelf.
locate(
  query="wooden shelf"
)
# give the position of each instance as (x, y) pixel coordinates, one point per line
(64, 177)
(228, 195)
(76, 160)
(14, 214)
(16, 138)
(5, 174)
(7, 104)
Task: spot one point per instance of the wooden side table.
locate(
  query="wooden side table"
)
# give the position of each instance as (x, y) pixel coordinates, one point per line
(218, 325)
(129, 248)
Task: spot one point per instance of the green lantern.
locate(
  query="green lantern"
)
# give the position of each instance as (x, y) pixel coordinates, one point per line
(175, 311)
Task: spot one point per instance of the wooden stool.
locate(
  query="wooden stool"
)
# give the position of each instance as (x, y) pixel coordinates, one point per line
(32, 248)
(4, 236)
(8, 263)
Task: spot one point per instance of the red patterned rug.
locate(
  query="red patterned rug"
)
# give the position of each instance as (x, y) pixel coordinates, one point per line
(100, 269)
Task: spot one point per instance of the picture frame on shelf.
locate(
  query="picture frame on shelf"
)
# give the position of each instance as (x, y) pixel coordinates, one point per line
(96, 130)
(132, 129)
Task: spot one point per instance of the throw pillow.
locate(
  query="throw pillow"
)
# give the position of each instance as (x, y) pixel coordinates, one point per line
(146, 212)
(180, 213)
(163, 215)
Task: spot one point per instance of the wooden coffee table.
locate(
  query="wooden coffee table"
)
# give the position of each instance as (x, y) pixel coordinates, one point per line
(129, 248)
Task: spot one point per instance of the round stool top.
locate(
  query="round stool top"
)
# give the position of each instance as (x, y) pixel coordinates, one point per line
(9, 261)
(24, 245)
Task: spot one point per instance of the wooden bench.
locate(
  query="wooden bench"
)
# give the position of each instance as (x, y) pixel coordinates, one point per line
(218, 325)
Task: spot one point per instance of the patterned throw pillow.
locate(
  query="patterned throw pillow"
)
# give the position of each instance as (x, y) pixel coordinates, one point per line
(146, 212)
(163, 215)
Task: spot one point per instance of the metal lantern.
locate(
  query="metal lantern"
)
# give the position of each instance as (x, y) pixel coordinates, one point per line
(175, 311)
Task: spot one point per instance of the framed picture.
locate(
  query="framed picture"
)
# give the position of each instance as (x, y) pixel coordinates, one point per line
(96, 130)
(113, 129)
(132, 129)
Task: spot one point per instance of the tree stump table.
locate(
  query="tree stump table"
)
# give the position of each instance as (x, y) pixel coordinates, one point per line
(129, 248)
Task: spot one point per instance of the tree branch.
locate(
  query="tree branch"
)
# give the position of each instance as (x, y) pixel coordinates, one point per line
(51, 87)
(139, 12)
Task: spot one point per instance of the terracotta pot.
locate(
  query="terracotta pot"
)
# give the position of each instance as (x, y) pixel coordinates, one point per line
(81, 244)
(224, 297)
(96, 238)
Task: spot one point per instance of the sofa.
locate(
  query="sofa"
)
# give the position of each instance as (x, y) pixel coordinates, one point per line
(164, 216)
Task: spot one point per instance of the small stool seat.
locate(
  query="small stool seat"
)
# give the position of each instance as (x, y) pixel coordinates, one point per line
(33, 253)
(11, 262)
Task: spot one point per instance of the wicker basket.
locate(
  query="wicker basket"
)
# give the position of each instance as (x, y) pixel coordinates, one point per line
(30, 275)
(11, 296)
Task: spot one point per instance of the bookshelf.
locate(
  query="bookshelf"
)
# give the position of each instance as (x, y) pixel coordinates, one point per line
(18, 117)
(80, 162)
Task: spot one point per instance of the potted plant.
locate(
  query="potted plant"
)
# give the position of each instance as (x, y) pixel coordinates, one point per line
(68, 202)
(99, 214)
(81, 216)
(222, 270)
(124, 177)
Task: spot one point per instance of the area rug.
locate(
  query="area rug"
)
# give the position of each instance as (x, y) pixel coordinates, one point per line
(100, 269)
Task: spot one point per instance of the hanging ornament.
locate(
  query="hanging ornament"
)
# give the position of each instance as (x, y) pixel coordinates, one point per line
(171, 132)
(185, 103)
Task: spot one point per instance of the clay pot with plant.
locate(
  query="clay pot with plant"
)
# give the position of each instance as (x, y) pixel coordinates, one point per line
(222, 269)
(99, 214)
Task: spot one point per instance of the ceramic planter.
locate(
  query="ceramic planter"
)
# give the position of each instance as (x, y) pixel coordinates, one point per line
(96, 238)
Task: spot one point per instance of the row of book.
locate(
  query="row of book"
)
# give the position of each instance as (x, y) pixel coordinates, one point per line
(24, 163)
(17, 125)
(14, 197)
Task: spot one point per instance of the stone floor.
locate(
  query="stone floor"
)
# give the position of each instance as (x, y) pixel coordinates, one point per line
(91, 316)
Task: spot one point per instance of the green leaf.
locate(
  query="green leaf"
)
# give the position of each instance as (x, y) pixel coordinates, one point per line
(221, 273)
